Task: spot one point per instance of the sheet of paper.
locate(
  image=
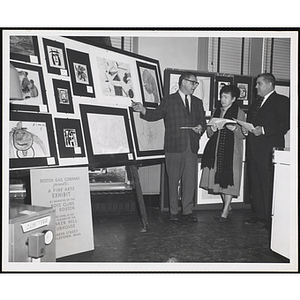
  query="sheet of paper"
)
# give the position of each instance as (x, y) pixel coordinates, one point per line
(246, 125)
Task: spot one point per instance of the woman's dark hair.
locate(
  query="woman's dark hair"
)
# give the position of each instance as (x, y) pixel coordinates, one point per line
(232, 89)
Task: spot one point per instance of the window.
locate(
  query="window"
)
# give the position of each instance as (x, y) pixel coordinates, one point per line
(276, 57)
(122, 42)
(229, 55)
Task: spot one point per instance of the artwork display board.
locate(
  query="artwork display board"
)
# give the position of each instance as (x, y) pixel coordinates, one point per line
(67, 191)
(204, 91)
(31, 140)
(107, 135)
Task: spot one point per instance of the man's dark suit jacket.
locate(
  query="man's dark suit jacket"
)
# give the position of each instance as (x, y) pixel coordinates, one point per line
(175, 116)
(274, 116)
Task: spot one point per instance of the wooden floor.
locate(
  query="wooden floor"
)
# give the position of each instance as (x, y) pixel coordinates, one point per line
(121, 238)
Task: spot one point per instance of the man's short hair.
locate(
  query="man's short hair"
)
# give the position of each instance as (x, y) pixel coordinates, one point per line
(185, 75)
(268, 77)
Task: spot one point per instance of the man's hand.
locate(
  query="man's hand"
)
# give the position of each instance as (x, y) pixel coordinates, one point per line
(198, 129)
(137, 106)
(257, 131)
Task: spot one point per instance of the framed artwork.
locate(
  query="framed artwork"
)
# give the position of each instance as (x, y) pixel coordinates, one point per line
(56, 60)
(150, 84)
(107, 135)
(24, 48)
(69, 138)
(115, 78)
(81, 73)
(204, 91)
(244, 83)
(148, 136)
(31, 140)
(63, 96)
(32, 87)
(220, 82)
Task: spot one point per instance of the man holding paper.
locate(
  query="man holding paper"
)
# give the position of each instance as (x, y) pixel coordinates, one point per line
(270, 116)
(184, 118)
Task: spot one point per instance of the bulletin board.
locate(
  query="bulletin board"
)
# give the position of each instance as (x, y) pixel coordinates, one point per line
(75, 85)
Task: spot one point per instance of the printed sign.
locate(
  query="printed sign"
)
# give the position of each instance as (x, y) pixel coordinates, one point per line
(66, 190)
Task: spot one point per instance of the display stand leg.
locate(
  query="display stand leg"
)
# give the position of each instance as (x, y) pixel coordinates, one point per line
(139, 194)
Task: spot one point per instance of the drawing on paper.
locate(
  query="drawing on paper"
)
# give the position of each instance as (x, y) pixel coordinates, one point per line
(70, 137)
(108, 134)
(28, 139)
(56, 58)
(81, 75)
(243, 87)
(63, 96)
(23, 45)
(115, 78)
(150, 135)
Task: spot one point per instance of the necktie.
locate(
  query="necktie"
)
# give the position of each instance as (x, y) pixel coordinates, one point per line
(259, 102)
(187, 107)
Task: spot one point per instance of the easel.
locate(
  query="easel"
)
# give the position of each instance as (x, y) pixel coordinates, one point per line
(135, 178)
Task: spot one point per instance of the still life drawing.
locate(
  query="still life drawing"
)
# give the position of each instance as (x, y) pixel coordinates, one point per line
(115, 78)
(28, 139)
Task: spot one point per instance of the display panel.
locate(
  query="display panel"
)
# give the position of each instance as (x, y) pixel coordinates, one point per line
(56, 60)
(69, 138)
(24, 48)
(63, 96)
(31, 140)
(149, 83)
(107, 135)
(32, 87)
(81, 73)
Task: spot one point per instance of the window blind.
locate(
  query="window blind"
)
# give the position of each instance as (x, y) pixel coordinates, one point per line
(124, 43)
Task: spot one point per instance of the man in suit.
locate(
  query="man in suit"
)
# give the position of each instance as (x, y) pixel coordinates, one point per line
(184, 119)
(270, 115)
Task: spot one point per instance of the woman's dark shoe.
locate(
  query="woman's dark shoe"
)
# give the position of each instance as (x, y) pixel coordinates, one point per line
(223, 220)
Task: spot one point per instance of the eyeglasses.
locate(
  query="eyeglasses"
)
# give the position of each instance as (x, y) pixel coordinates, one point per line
(196, 83)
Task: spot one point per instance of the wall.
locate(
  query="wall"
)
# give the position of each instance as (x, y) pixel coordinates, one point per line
(172, 52)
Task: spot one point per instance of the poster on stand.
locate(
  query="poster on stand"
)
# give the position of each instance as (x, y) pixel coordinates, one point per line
(66, 190)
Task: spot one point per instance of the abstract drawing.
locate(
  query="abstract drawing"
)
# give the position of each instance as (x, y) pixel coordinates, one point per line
(115, 78)
(81, 73)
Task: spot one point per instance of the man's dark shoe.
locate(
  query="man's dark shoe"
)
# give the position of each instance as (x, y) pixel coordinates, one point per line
(253, 221)
(189, 218)
(174, 217)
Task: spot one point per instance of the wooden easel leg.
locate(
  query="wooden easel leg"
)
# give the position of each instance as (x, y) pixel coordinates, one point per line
(139, 194)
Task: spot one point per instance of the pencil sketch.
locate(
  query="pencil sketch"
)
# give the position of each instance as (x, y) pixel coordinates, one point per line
(108, 134)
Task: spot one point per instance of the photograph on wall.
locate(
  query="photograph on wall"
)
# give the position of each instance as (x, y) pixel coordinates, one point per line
(24, 48)
(115, 78)
(31, 140)
(148, 136)
(63, 96)
(81, 73)
(69, 138)
(204, 91)
(107, 135)
(244, 83)
(55, 54)
(32, 88)
(150, 84)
